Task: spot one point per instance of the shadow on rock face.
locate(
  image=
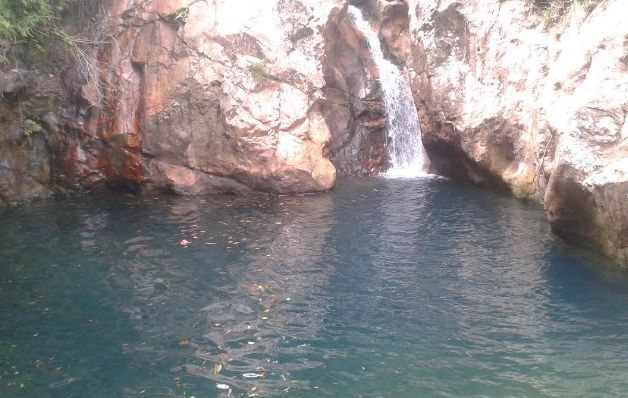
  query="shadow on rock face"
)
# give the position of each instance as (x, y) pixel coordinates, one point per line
(570, 206)
(484, 156)
(594, 215)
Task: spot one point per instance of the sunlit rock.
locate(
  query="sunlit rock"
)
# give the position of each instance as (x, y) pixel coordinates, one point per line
(536, 107)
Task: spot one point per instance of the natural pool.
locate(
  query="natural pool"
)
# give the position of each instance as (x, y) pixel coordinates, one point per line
(382, 288)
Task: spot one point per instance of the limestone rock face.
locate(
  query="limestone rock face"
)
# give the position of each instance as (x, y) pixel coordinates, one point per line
(215, 97)
(189, 96)
(536, 107)
(201, 97)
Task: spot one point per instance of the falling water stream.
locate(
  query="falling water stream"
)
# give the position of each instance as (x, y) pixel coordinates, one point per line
(405, 145)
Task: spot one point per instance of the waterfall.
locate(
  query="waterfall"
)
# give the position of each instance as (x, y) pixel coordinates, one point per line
(404, 133)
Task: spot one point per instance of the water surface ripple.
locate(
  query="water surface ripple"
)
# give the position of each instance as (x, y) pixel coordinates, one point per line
(382, 288)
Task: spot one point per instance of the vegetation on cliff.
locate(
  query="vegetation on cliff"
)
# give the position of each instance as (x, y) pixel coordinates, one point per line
(554, 10)
(31, 23)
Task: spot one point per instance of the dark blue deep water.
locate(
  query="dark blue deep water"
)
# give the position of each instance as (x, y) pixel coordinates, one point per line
(382, 288)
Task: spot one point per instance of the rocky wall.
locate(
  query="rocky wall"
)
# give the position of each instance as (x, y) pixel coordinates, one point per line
(513, 100)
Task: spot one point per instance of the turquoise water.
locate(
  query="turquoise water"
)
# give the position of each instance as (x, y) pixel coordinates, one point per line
(382, 288)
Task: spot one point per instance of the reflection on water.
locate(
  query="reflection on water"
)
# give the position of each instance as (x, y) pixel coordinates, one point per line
(275, 303)
(381, 288)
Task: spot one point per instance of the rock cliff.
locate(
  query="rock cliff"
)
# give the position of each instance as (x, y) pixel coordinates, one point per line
(192, 96)
(520, 96)
(199, 97)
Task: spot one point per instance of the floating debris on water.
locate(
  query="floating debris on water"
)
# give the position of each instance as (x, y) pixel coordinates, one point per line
(252, 375)
(216, 369)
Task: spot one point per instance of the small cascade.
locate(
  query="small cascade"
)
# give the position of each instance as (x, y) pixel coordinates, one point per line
(404, 145)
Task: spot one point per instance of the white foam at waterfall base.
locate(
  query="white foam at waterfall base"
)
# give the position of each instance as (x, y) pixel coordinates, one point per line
(404, 133)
